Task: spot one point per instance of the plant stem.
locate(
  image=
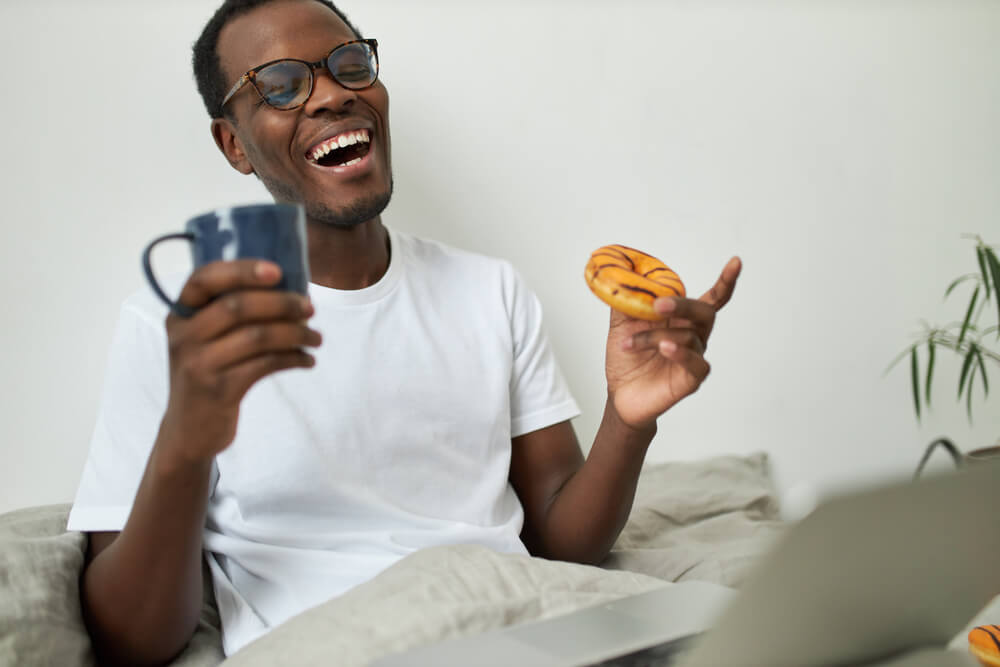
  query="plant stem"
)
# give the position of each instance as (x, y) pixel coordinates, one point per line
(949, 340)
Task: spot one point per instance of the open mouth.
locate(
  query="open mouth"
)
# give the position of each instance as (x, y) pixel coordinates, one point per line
(343, 150)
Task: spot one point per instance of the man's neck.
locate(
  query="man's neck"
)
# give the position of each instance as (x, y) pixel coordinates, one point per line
(348, 259)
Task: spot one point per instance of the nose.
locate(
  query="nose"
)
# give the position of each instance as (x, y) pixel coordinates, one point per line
(328, 95)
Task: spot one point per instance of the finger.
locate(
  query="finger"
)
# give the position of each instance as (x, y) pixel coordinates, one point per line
(700, 314)
(245, 375)
(244, 307)
(693, 362)
(679, 323)
(215, 278)
(651, 339)
(255, 340)
(722, 290)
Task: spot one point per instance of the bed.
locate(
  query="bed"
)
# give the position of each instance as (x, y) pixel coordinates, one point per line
(708, 520)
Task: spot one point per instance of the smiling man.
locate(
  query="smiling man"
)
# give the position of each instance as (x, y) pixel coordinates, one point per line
(434, 413)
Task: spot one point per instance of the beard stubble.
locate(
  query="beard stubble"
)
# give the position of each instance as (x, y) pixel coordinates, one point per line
(352, 215)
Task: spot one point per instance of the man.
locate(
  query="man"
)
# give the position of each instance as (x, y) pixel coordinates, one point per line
(433, 414)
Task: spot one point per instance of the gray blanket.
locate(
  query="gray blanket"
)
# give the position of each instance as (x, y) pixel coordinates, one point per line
(709, 520)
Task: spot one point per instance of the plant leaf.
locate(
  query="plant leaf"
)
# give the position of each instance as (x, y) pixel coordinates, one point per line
(930, 372)
(968, 314)
(994, 264)
(965, 370)
(981, 257)
(982, 372)
(968, 395)
(958, 281)
(915, 379)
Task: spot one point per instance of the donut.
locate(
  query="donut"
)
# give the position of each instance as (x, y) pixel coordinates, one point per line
(629, 280)
(984, 643)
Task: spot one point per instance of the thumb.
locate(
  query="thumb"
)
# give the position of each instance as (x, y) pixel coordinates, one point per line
(720, 293)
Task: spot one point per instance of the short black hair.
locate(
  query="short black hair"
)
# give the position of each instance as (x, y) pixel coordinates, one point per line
(207, 64)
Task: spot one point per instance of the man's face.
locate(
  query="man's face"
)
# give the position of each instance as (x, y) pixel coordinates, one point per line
(281, 146)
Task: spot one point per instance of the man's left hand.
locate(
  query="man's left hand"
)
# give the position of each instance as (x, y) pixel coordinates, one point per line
(651, 366)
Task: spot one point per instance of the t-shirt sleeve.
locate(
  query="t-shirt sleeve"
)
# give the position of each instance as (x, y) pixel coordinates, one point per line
(131, 408)
(539, 396)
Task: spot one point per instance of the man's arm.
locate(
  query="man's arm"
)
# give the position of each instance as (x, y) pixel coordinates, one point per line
(141, 589)
(575, 509)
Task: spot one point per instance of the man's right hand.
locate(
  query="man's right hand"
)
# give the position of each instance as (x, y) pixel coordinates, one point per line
(243, 330)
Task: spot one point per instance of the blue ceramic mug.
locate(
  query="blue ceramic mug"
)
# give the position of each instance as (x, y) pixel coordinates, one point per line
(275, 232)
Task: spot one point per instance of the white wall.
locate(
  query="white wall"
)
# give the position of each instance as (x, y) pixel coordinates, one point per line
(840, 148)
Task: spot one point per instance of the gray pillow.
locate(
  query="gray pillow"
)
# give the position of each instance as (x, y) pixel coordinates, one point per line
(40, 618)
(40, 563)
(708, 520)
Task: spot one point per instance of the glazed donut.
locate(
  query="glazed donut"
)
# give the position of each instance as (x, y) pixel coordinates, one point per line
(984, 643)
(629, 280)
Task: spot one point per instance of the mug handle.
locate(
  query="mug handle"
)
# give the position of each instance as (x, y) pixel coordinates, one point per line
(179, 309)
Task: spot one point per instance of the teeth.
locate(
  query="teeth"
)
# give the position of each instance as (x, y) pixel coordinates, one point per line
(342, 141)
(354, 161)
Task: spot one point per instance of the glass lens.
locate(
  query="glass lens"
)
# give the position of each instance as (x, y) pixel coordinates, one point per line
(354, 65)
(284, 84)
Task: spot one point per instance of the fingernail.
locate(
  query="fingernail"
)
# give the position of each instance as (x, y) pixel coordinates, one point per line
(266, 271)
(668, 346)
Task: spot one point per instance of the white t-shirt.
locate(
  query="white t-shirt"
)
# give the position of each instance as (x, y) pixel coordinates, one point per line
(398, 439)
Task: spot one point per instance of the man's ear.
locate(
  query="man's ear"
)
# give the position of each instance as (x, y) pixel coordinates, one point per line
(225, 137)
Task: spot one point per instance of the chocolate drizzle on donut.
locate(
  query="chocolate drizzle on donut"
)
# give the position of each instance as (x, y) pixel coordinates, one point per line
(667, 281)
(633, 288)
(670, 280)
(670, 274)
(621, 254)
(600, 268)
(605, 266)
(990, 634)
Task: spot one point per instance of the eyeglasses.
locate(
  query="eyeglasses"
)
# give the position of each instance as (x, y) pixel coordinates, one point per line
(287, 83)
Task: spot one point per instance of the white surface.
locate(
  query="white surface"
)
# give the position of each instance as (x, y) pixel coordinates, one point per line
(840, 148)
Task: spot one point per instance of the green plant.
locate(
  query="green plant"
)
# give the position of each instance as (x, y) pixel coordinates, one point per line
(967, 338)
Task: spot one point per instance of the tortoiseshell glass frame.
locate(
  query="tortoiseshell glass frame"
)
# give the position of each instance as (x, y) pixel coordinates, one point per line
(250, 77)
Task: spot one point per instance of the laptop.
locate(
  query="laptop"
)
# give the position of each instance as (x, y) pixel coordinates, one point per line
(660, 620)
(867, 576)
